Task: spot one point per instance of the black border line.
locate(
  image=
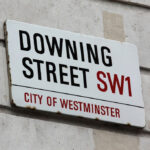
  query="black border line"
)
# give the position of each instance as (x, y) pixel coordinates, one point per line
(76, 95)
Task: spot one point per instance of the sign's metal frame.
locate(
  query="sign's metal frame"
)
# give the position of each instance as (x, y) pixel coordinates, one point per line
(123, 107)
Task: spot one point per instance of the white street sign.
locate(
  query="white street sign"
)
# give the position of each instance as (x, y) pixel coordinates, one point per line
(74, 74)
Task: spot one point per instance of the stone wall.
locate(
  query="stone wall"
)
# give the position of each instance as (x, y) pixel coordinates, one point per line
(122, 20)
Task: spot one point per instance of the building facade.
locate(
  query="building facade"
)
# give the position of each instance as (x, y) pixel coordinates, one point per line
(121, 20)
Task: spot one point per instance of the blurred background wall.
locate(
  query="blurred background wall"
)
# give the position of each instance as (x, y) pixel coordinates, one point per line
(122, 20)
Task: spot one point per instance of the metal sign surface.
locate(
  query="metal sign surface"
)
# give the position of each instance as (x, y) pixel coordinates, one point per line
(74, 74)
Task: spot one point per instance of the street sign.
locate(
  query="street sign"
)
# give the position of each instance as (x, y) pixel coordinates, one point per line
(60, 71)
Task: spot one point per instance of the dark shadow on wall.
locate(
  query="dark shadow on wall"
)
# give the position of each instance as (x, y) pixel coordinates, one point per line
(134, 4)
(72, 120)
